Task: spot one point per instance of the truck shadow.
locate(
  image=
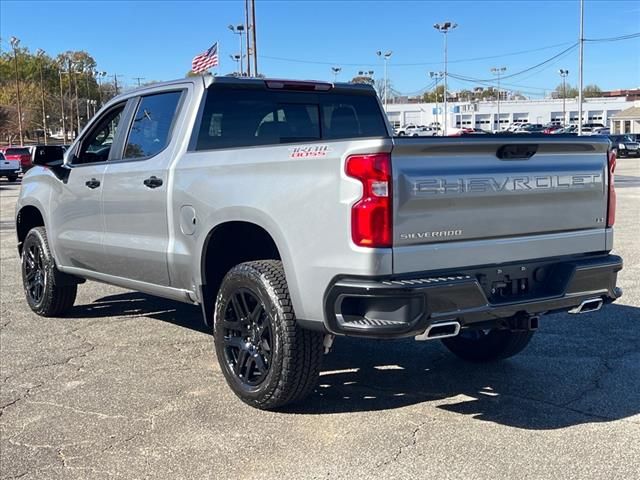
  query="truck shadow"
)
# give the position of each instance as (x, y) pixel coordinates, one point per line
(135, 304)
(577, 369)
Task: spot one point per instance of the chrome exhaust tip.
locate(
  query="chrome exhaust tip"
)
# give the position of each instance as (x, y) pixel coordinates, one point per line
(591, 305)
(440, 330)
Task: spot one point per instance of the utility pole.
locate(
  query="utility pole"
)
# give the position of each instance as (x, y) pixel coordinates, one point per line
(385, 56)
(64, 129)
(581, 61)
(336, 71)
(40, 54)
(14, 44)
(254, 36)
(563, 73)
(246, 20)
(498, 71)
(444, 28)
(438, 76)
(138, 79)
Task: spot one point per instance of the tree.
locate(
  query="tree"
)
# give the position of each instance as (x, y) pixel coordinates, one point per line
(592, 91)
(570, 92)
(363, 79)
(435, 95)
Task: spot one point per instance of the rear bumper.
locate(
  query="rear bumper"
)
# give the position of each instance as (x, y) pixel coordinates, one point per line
(405, 306)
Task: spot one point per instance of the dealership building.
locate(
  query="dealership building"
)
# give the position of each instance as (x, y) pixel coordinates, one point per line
(484, 114)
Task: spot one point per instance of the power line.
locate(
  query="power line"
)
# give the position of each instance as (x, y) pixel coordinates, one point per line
(614, 39)
(416, 64)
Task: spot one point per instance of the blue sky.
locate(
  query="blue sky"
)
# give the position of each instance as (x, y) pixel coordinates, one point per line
(157, 39)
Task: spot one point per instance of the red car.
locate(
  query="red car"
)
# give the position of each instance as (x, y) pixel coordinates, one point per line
(19, 153)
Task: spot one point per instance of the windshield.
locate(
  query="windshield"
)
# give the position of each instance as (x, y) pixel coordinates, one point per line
(17, 151)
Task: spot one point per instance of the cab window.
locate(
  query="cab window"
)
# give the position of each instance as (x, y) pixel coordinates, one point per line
(96, 146)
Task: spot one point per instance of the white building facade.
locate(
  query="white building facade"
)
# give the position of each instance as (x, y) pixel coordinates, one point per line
(484, 114)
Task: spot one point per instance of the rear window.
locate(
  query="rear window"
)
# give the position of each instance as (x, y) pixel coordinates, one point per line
(49, 153)
(17, 151)
(241, 117)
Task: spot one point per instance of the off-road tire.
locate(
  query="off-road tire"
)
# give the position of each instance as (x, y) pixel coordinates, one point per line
(488, 346)
(295, 355)
(57, 297)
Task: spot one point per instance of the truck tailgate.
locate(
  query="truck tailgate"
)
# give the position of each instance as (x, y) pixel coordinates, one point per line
(494, 199)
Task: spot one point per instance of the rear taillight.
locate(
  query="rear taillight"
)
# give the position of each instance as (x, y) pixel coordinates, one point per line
(371, 218)
(611, 204)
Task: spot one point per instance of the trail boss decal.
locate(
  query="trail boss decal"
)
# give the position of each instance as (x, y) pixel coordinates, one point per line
(310, 151)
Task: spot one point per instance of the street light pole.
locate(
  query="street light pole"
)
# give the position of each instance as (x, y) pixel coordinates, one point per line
(437, 76)
(498, 71)
(40, 54)
(239, 30)
(444, 28)
(87, 72)
(336, 71)
(385, 56)
(75, 85)
(64, 128)
(236, 58)
(563, 73)
(14, 44)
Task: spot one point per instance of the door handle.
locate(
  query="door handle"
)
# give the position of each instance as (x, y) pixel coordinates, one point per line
(93, 183)
(153, 182)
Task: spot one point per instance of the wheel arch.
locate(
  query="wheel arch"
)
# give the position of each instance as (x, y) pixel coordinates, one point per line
(28, 217)
(227, 244)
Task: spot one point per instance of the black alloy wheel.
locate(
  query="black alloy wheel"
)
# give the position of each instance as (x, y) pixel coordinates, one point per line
(35, 274)
(248, 337)
(49, 293)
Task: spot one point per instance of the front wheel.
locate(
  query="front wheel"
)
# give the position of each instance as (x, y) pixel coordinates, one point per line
(46, 296)
(487, 345)
(266, 358)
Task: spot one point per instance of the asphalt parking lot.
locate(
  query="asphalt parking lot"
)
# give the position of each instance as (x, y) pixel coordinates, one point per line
(128, 387)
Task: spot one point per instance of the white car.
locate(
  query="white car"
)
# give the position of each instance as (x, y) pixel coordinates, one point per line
(9, 168)
(420, 131)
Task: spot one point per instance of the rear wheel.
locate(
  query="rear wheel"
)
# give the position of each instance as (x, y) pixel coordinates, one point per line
(487, 345)
(46, 295)
(266, 358)
(12, 178)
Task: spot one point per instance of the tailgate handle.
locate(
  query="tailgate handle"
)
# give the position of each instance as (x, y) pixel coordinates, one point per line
(516, 152)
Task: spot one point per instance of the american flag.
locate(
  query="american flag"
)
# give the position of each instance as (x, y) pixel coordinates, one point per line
(206, 60)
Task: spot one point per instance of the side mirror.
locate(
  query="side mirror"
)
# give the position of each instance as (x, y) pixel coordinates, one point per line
(48, 156)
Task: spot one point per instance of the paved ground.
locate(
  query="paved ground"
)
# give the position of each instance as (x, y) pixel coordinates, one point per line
(129, 387)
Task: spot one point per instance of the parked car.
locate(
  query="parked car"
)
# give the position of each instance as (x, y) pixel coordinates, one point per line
(568, 130)
(625, 146)
(601, 131)
(402, 131)
(10, 169)
(418, 131)
(531, 128)
(515, 126)
(22, 154)
(208, 197)
(549, 129)
(47, 154)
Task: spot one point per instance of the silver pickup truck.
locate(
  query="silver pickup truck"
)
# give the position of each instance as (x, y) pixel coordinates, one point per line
(288, 211)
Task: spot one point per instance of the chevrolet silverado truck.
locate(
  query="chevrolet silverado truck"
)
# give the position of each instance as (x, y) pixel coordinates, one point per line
(291, 215)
